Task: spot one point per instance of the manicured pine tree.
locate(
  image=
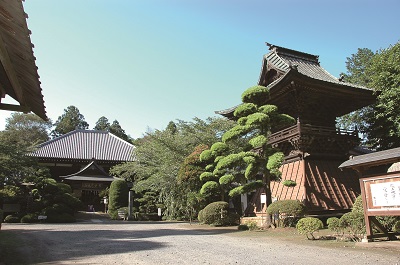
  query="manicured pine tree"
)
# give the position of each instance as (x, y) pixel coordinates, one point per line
(257, 164)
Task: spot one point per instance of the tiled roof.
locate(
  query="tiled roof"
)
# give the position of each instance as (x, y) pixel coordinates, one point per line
(306, 64)
(376, 158)
(86, 145)
(18, 72)
(91, 172)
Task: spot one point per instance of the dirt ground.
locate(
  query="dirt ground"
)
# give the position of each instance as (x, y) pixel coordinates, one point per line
(96, 240)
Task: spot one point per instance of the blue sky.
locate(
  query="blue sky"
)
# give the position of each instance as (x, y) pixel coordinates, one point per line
(146, 63)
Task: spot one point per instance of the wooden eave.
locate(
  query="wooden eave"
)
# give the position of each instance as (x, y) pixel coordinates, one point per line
(18, 72)
(363, 162)
(348, 98)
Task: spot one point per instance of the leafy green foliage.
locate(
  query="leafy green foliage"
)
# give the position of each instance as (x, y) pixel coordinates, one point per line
(168, 161)
(308, 226)
(27, 129)
(380, 71)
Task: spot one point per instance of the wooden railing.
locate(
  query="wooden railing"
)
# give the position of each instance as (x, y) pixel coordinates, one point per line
(300, 129)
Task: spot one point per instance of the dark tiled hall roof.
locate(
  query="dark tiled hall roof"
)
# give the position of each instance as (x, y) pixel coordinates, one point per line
(86, 145)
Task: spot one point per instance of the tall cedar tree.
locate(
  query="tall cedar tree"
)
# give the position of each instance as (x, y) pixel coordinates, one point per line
(70, 120)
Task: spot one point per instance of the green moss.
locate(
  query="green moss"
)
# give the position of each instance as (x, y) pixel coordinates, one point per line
(245, 109)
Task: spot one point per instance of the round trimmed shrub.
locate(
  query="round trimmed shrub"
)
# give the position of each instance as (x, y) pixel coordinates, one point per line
(354, 222)
(287, 210)
(308, 226)
(30, 218)
(217, 213)
(11, 219)
(334, 224)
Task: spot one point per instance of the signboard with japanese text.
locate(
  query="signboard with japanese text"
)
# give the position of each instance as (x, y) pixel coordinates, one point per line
(382, 194)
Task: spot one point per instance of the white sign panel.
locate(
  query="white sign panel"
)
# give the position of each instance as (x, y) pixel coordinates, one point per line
(386, 194)
(263, 198)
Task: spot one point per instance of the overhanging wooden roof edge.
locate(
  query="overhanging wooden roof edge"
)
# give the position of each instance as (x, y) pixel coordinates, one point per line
(373, 159)
(19, 76)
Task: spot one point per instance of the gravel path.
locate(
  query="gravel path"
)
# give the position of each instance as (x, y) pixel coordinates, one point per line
(108, 242)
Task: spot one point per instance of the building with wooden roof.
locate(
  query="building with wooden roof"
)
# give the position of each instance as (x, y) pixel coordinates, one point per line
(83, 158)
(314, 147)
(19, 78)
